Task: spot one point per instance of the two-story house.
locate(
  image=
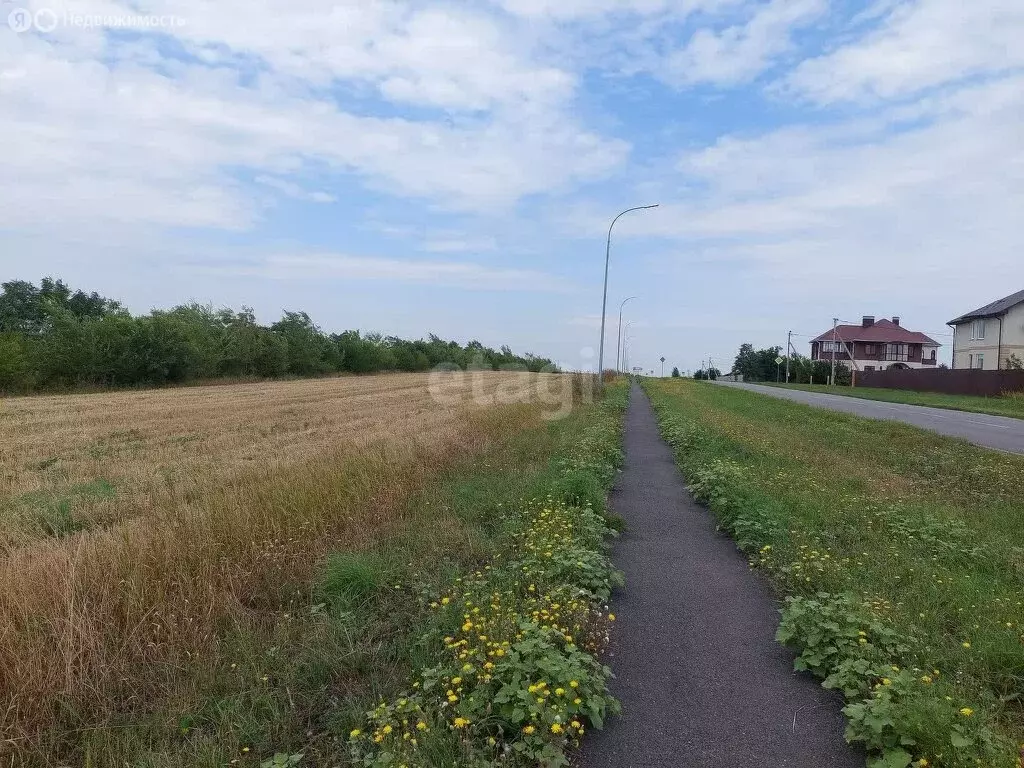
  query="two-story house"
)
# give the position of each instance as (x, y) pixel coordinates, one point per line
(988, 336)
(875, 346)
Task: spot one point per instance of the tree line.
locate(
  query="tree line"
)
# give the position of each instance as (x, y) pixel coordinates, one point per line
(52, 337)
(760, 365)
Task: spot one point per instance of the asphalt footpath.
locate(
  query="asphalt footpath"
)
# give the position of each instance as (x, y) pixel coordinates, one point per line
(701, 679)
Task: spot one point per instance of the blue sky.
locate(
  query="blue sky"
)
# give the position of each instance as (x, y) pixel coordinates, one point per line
(415, 167)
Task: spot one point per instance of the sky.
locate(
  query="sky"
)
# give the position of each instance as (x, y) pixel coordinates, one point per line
(453, 167)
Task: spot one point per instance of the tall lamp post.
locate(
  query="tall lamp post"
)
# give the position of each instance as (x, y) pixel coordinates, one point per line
(625, 348)
(618, 344)
(604, 298)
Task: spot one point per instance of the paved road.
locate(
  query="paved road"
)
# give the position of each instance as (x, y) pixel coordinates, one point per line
(702, 681)
(999, 432)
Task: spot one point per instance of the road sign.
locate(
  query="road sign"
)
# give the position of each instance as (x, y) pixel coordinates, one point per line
(779, 360)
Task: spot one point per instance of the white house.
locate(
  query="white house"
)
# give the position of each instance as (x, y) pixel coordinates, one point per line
(988, 336)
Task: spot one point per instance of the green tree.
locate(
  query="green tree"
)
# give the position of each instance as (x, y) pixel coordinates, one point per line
(14, 363)
(53, 336)
(675, 373)
(307, 347)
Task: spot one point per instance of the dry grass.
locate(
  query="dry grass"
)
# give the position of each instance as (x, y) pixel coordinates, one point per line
(199, 505)
(73, 462)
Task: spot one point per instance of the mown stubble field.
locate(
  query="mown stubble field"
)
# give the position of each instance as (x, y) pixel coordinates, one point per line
(79, 461)
(134, 526)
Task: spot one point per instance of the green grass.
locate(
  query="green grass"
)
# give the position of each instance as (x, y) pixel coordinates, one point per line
(1006, 405)
(876, 527)
(298, 680)
(54, 514)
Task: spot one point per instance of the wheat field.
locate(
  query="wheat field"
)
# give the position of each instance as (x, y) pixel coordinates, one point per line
(134, 524)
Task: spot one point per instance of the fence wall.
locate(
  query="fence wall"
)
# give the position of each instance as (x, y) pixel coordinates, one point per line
(950, 382)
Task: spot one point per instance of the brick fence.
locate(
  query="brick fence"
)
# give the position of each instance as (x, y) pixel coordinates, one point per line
(950, 382)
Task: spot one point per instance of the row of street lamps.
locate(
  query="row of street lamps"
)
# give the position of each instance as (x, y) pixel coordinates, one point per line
(604, 299)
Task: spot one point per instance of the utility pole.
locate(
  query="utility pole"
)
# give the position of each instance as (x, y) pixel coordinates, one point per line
(789, 347)
(835, 322)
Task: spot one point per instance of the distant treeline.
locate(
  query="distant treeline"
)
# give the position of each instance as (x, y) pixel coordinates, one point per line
(54, 338)
(760, 365)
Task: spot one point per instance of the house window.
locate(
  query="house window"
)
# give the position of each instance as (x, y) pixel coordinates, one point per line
(869, 349)
(869, 367)
(896, 352)
(830, 346)
(980, 360)
(978, 330)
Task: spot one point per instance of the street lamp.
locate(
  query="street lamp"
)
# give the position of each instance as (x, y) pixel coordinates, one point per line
(604, 298)
(618, 344)
(625, 348)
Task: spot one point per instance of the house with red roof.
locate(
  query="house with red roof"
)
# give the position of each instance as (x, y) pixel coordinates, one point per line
(876, 346)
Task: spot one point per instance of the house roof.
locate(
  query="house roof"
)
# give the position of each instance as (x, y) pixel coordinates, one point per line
(881, 332)
(993, 309)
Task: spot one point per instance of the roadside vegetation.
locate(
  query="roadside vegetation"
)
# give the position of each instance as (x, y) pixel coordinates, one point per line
(511, 672)
(1010, 404)
(259, 608)
(898, 552)
(54, 338)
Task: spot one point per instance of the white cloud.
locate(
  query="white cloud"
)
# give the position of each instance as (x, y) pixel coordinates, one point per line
(94, 133)
(294, 191)
(437, 54)
(918, 45)
(454, 243)
(873, 208)
(586, 321)
(564, 10)
(740, 52)
(449, 273)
